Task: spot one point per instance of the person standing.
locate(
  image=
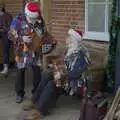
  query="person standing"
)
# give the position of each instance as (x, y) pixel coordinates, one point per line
(5, 20)
(24, 27)
(76, 60)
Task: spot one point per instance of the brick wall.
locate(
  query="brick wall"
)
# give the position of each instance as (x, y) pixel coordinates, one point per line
(13, 7)
(65, 12)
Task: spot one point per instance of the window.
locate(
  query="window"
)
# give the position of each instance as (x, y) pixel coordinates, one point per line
(97, 13)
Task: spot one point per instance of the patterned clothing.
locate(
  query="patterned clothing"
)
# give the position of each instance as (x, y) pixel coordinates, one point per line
(76, 63)
(24, 54)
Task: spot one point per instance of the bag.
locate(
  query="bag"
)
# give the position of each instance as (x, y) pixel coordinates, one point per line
(92, 111)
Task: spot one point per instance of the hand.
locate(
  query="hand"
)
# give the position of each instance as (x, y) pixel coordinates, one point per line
(13, 32)
(57, 76)
(27, 39)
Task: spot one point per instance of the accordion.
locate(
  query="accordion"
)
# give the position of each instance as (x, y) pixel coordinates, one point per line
(43, 40)
(45, 44)
(48, 43)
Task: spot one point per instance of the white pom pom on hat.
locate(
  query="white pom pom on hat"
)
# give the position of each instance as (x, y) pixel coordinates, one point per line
(76, 34)
(32, 10)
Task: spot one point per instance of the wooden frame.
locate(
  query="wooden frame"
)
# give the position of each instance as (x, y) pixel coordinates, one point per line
(102, 36)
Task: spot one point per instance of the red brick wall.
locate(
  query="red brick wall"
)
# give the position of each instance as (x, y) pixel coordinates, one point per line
(13, 7)
(65, 12)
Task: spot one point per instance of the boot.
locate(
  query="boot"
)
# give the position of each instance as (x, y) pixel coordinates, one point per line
(5, 69)
(29, 106)
(33, 115)
(19, 99)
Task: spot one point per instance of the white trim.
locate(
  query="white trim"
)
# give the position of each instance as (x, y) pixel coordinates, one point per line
(86, 16)
(31, 14)
(101, 36)
(74, 34)
(106, 16)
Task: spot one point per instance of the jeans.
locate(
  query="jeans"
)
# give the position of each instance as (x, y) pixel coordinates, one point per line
(6, 46)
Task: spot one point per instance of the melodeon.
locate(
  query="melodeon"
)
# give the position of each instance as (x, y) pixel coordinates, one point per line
(46, 43)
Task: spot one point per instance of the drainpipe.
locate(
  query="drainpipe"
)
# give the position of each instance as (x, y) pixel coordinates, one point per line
(118, 49)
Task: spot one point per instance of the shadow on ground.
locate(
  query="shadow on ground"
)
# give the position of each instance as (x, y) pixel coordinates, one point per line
(67, 107)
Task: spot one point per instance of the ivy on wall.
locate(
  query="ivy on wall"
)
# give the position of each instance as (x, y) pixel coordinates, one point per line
(114, 33)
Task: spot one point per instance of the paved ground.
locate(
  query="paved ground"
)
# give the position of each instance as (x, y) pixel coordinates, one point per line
(67, 108)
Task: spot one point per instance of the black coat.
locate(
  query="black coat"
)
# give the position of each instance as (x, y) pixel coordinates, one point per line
(45, 95)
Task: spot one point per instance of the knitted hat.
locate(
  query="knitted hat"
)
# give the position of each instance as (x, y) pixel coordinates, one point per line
(76, 34)
(32, 10)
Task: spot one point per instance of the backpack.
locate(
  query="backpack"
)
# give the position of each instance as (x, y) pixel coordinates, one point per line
(93, 109)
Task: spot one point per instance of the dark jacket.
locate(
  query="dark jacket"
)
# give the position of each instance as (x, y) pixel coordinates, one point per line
(45, 95)
(5, 21)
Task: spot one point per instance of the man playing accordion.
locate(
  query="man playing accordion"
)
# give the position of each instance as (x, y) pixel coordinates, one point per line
(23, 31)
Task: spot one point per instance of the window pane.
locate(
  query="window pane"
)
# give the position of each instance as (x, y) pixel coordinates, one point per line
(110, 1)
(96, 17)
(96, 1)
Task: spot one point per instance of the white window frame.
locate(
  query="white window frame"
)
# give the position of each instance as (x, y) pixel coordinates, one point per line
(102, 36)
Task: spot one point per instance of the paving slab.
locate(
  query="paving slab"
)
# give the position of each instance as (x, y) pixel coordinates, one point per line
(67, 108)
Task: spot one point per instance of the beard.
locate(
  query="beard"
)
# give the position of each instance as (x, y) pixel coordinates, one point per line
(30, 20)
(71, 48)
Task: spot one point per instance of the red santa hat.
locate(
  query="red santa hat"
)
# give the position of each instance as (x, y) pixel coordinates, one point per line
(75, 34)
(32, 10)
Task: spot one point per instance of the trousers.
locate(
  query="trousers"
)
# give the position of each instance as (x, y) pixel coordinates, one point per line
(5, 46)
(20, 81)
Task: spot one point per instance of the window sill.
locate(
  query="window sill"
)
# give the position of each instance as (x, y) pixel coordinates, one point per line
(96, 36)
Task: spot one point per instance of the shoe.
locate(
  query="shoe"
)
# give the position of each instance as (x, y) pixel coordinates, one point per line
(33, 115)
(71, 93)
(29, 106)
(5, 70)
(19, 99)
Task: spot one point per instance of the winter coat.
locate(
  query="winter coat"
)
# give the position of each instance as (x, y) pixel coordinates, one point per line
(5, 21)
